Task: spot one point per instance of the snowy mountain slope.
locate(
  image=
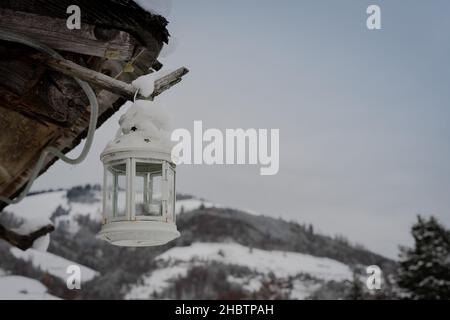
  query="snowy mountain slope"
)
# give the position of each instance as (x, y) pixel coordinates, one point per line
(176, 262)
(222, 253)
(187, 205)
(53, 264)
(156, 282)
(40, 207)
(221, 224)
(284, 264)
(23, 288)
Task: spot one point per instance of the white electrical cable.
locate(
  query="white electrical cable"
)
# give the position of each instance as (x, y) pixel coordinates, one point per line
(12, 37)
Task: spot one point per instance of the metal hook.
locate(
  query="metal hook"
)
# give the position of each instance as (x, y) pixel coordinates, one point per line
(135, 95)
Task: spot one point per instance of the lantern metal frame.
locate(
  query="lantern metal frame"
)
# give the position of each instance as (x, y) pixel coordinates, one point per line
(134, 229)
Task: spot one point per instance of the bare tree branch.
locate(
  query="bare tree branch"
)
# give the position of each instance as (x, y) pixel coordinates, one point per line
(24, 242)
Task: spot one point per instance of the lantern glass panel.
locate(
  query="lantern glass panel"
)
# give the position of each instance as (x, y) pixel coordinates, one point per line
(119, 167)
(148, 189)
(118, 170)
(109, 193)
(141, 194)
(121, 203)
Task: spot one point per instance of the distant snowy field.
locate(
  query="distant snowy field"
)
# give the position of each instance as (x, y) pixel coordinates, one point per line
(52, 264)
(178, 260)
(22, 288)
(14, 287)
(283, 264)
(173, 263)
(41, 206)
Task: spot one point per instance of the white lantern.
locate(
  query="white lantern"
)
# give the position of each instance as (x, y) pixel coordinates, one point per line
(139, 185)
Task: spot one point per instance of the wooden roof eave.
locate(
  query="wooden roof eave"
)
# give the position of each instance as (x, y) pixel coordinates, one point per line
(43, 126)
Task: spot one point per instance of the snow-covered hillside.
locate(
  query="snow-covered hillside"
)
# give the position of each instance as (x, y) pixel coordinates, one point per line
(177, 261)
(40, 207)
(222, 253)
(23, 288)
(52, 264)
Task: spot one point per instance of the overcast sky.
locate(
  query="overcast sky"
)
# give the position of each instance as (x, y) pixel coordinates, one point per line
(363, 115)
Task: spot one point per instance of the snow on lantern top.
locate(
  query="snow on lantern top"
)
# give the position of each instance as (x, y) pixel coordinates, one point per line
(139, 180)
(144, 128)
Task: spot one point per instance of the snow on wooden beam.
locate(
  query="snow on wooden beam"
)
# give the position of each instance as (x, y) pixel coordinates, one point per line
(168, 81)
(24, 242)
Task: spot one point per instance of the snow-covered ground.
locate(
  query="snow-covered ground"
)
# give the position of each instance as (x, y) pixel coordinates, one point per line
(157, 282)
(301, 289)
(22, 288)
(193, 204)
(178, 260)
(52, 264)
(282, 263)
(41, 206)
(248, 283)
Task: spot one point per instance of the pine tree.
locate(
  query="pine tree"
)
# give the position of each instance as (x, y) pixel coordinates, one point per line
(356, 290)
(425, 269)
(311, 229)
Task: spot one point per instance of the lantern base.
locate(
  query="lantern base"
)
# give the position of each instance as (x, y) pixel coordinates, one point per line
(138, 233)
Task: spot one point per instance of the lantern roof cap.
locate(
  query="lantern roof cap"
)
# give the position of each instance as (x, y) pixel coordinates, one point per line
(138, 145)
(144, 132)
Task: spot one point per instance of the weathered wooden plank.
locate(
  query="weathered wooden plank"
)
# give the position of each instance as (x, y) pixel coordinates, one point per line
(89, 40)
(36, 110)
(111, 84)
(95, 78)
(168, 81)
(126, 15)
(17, 76)
(21, 142)
(26, 88)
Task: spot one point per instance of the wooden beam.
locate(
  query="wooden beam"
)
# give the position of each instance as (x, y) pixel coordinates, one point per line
(21, 143)
(111, 84)
(27, 87)
(95, 78)
(24, 242)
(168, 81)
(53, 32)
